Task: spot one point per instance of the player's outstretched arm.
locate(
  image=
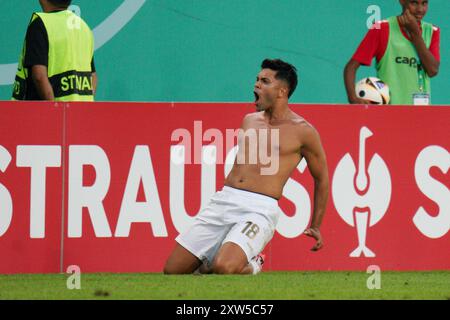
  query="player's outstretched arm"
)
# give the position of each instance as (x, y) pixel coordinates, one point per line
(314, 154)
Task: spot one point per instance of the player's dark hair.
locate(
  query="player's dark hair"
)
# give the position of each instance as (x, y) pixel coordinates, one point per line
(60, 3)
(284, 71)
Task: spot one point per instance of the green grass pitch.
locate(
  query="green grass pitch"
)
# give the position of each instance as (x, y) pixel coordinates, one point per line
(265, 286)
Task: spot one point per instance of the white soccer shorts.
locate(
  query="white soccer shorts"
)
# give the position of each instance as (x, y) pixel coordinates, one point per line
(245, 218)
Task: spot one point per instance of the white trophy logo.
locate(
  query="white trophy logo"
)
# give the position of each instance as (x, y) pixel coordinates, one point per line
(362, 197)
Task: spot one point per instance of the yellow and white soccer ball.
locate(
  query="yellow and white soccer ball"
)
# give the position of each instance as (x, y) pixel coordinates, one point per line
(374, 90)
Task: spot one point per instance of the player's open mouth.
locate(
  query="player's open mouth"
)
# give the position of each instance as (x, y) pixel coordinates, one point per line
(256, 96)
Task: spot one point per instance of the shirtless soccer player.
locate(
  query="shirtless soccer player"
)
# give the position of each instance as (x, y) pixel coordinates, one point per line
(229, 234)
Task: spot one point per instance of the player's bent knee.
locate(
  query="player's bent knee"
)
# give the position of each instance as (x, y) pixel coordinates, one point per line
(227, 267)
(168, 270)
(175, 266)
(181, 261)
(171, 268)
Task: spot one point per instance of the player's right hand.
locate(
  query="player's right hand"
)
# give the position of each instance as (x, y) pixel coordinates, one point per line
(315, 233)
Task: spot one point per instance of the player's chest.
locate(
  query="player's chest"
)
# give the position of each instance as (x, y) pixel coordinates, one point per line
(283, 139)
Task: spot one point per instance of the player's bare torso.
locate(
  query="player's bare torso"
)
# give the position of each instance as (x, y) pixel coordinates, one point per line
(275, 161)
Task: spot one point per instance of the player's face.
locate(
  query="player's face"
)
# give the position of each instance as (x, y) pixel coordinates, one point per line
(267, 89)
(418, 8)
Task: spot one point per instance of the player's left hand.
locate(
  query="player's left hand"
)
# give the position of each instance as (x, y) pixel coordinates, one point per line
(315, 233)
(410, 23)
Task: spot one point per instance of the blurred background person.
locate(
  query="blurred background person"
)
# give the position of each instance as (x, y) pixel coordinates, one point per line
(57, 60)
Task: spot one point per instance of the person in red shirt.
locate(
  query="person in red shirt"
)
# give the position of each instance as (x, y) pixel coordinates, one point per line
(375, 43)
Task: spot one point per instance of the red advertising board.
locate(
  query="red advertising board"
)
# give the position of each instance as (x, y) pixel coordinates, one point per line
(32, 125)
(101, 185)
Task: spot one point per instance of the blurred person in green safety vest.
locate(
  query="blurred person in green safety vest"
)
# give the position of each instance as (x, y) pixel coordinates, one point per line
(57, 59)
